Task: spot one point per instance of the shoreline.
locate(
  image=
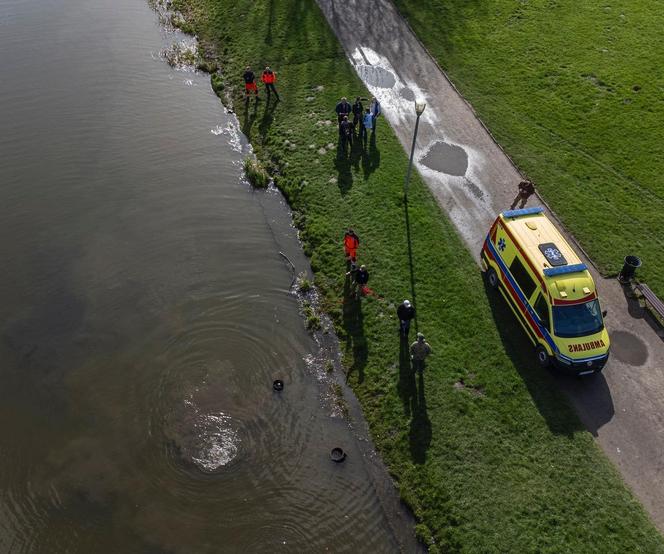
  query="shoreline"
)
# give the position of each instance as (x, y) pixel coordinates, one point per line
(435, 504)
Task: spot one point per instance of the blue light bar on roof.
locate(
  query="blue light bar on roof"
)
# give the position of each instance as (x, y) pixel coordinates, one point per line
(524, 211)
(552, 271)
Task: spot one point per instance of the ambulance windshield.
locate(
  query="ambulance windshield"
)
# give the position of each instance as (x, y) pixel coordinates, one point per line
(577, 320)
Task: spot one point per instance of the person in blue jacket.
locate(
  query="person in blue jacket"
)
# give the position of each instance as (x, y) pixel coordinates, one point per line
(375, 110)
(367, 124)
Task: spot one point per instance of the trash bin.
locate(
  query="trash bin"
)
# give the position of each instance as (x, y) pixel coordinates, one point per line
(629, 267)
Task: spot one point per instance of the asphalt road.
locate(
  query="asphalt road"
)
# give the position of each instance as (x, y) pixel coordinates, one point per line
(473, 180)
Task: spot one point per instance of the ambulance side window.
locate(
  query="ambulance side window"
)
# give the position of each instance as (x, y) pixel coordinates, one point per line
(525, 281)
(542, 310)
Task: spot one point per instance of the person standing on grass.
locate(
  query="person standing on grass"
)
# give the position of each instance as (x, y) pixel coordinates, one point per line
(526, 190)
(360, 279)
(405, 313)
(367, 124)
(343, 109)
(419, 351)
(250, 83)
(346, 133)
(351, 244)
(375, 110)
(358, 110)
(269, 77)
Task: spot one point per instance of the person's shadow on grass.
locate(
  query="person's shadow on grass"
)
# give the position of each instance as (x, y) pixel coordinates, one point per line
(370, 158)
(342, 164)
(353, 322)
(249, 117)
(420, 425)
(267, 119)
(407, 388)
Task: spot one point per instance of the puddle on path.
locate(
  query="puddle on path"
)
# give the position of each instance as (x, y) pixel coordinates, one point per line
(628, 348)
(408, 94)
(376, 76)
(446, 158)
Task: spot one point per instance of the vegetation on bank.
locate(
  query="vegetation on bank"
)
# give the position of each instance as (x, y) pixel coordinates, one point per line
(490, 457)
(574, 92)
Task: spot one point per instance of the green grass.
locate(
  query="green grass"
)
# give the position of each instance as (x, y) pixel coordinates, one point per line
(490, 457)
(574, 92)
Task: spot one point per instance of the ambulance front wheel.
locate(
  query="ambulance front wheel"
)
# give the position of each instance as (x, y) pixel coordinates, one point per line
(543, 357)
(492, 278)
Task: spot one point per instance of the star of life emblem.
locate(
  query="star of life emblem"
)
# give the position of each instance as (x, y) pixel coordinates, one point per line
(501, 244)
(553, 254)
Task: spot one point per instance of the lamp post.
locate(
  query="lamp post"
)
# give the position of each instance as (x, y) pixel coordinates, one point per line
(419, 110)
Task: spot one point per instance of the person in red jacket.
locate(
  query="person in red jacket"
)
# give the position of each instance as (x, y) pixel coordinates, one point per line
(269, 77)
(351, 244)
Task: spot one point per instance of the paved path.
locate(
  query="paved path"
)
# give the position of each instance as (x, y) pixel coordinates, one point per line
(473, 180)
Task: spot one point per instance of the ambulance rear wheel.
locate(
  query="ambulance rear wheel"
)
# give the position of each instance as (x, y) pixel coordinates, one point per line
(543, 357)
(492, 278)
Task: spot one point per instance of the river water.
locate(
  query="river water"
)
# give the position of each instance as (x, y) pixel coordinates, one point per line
(146, 310)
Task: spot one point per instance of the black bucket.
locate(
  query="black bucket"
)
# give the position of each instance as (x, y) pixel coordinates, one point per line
(337, 455)
(632, 263)
(278, 385)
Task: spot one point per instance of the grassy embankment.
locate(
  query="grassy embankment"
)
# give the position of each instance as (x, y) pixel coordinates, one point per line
(574, 92)
(486, 452)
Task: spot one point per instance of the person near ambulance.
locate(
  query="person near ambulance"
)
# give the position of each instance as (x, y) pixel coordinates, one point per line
(269, 77)
(526, 190)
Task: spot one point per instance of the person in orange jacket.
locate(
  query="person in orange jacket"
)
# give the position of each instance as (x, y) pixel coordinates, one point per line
(269, 77)
(351, 244)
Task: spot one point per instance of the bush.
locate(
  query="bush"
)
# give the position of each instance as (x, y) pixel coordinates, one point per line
(256, 173)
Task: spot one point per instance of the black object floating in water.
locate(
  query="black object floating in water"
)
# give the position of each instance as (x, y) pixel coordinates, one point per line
(278, 385)
(337, 455)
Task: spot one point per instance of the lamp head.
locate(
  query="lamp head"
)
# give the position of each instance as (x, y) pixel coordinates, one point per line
(419, 108)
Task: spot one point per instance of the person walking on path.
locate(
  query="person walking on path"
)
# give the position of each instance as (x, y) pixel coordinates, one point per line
(351, 244)
(343, 109)
(419, 351)
(250, 83)
(269, 77)
(375, 110)
(526, 190)
(358, 110)
(367, 125)
(360, 279)
(405, 313)
(346, 133)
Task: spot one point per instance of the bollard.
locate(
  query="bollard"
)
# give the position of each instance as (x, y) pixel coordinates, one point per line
(632, 263)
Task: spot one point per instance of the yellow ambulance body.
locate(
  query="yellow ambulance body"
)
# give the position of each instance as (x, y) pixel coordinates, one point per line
(548, 288)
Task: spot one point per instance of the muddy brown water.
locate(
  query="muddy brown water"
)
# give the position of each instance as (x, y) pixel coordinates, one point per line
(146, 311)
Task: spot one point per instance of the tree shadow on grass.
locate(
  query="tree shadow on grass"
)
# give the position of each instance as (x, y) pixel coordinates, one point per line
(353, 322)
(545, 386)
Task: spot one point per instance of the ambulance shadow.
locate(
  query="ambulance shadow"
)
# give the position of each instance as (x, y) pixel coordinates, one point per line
(412, 395)
(353, 322)
(545, 387)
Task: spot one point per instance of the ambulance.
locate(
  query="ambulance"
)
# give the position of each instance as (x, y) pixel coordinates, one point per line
(549, 289)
